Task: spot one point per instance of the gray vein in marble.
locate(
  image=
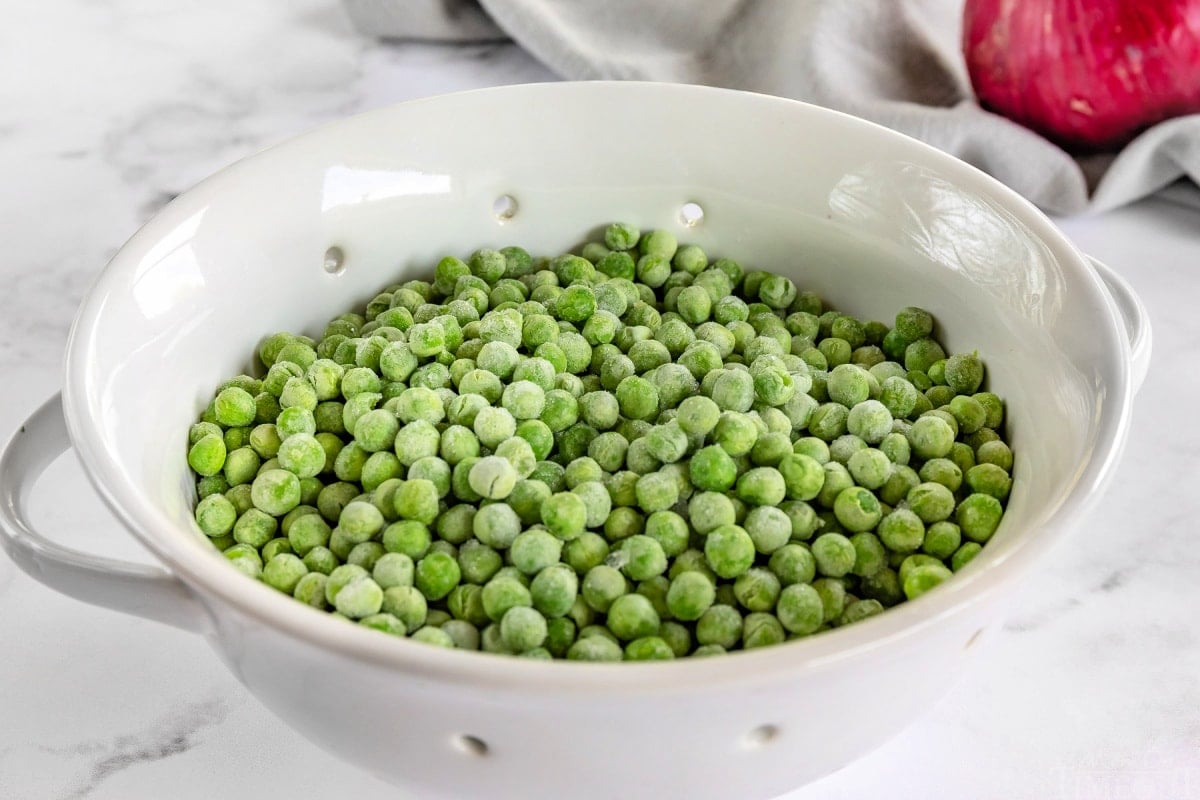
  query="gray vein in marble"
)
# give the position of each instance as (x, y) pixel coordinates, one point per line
(1116, 579)
(175, 734)
(1036, 619)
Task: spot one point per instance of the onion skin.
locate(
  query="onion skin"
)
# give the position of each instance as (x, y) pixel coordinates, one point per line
(1087, 74)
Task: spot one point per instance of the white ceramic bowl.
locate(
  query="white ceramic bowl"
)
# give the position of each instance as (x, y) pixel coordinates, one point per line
(868, 218)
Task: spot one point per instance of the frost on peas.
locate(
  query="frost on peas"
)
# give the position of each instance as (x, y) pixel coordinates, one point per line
(633, 454)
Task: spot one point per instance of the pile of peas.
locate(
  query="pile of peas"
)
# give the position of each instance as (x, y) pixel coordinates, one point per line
(632, 453)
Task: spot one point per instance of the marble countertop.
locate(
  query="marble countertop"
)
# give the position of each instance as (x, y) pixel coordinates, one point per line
(1091, 691)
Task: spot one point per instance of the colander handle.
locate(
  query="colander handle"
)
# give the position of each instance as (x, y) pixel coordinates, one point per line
(142, 590)
(1137, 320)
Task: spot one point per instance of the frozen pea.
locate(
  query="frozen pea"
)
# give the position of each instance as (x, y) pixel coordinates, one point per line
(234, 407)
(457, 443)
(275, 492)
(587, 550)
(793, 563)
(594, 648)
(358, 598)
(803, 475)
(848, 385)
(534, 550)
(493, 477)
(923, 578)
(207, 455)
(922, 354)
(729, 551)
(494, 425)
(496, 525)
(245, 559)
(828, 421)
(902, 531)
(554, 589)
(769, 528)
(859, 610)
(609, 450)
(407, 604)
(857, 509)
(601, 586)
(310, 589)
(528, 495)
(898, 396)
(416, 440)
(640, 557)
(771, 449)
(275, 547)
(733, 390)
(964, 555)
(736, 433)
(597, 501)
(762, 486)
(302, 455)
(365, 554)
(519, 454)
(601, 410)
(582, 470)
(690, 595)
(565, 515)
(283, 572)
(990, 479)
(524, 400)
(978, 516)
(943, 471)
(898, 485)
(834, 554)
(522, 628)
(719, 625)
(410, 537)
(211, 484)
(478, 562)
(393, 569)
(757, 589)
(931, 502)
(870, 468)
(417, 500)
(632, 616)
(837, 479)
(870, 420)
(243, 464)
(800, 609)
(964, 373)
(360, 521)
(667, 443)
(709, 510)
(896, 449)
(993, 406)
(942, 539)
(712, 469)
(637, 398)
(215, 515)
(814, 448)
(656, 491)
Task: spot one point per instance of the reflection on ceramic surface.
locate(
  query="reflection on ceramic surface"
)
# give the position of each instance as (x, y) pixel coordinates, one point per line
(913, 206)
(169, 272)
(953, 226)
(345, 186)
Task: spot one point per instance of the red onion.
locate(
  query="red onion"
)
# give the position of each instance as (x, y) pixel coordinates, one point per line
(1088, 74)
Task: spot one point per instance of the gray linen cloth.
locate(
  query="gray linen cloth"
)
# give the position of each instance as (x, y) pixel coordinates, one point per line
(896, 62)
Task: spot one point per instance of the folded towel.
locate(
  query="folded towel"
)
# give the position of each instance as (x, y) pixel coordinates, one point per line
(896, 62)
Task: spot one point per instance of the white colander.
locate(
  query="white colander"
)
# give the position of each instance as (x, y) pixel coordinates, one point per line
(288, 238)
